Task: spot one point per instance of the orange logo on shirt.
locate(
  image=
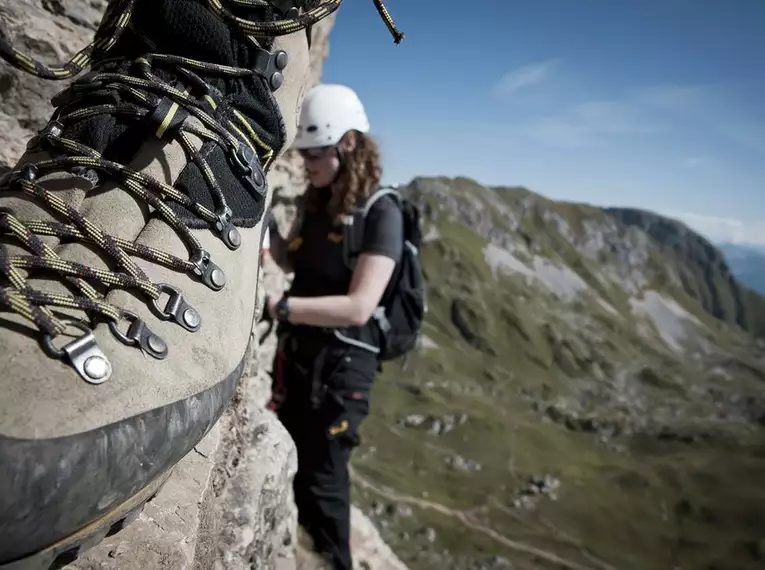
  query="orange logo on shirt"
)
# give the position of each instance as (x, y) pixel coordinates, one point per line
(334, 430)
(295, 244)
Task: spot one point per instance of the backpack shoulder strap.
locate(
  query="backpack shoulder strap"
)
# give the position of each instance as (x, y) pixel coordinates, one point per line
(354, 223)
(380, 193)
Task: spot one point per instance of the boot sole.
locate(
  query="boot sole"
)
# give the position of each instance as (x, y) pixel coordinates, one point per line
(66, 550)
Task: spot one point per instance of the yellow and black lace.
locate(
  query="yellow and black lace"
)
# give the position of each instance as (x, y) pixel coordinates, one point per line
(141, 91)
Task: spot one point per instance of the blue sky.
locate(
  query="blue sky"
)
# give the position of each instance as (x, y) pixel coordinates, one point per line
(658, 104)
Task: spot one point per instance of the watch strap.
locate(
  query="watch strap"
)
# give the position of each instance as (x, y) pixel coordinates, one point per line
(282, 309)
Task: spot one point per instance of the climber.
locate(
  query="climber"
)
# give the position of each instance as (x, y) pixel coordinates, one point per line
(126, 301)
(323, 377)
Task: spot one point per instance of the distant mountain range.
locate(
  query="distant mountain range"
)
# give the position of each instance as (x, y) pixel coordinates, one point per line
(747, 262)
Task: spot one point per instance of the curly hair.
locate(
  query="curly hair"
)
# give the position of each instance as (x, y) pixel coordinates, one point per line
(359, 176)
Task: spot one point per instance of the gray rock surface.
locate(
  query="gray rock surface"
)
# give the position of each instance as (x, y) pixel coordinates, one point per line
(248, 513)
(52, 31)
(369, 550)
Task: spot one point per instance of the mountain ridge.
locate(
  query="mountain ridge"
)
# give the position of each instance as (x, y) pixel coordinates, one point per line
(711, 281)
(722, 296)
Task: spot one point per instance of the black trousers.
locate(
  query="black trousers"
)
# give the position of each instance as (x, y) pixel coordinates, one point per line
(325, 390)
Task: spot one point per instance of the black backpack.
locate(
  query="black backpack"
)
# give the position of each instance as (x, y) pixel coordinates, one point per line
(403, 307)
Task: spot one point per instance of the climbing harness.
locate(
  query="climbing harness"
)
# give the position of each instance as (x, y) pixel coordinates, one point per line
(140, 91)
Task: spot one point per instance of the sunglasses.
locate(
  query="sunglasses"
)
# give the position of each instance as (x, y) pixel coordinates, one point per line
(315, 153)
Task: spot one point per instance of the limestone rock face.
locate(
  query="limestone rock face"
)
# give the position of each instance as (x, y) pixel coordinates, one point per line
(49, 30)
(249, 516)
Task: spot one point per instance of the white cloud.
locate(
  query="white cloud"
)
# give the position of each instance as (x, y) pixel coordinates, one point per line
(701, 163)
(709, 106)
(525, 76)
(695, 162)
(611, 117)
(751, 135)
(590, 123)
(692, 110)
(558, 131)
(677, 98)
(719, 229)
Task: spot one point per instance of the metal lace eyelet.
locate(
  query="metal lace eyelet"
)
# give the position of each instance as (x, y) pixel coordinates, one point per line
(177, 309)
(247, 165)
(138, 334)
(83, 353)
(211, 274)
(227, 230)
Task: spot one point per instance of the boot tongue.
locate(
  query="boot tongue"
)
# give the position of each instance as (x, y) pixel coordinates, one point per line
(188, 29)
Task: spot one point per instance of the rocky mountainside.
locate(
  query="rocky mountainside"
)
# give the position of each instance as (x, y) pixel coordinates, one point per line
(703, 271)
(589, 393)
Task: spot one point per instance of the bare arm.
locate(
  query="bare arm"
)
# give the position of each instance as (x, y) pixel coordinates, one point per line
(370, 278)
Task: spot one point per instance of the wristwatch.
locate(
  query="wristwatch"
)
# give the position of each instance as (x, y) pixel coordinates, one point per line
(282, 310)
(273, 227)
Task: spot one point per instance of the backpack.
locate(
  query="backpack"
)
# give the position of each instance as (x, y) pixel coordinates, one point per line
(403, 306)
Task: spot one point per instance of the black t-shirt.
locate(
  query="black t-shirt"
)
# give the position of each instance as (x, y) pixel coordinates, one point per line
(317, 254)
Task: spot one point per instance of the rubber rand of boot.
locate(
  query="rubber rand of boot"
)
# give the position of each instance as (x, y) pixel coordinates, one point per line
(67, 550)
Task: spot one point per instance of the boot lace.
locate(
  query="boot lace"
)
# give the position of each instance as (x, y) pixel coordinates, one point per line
(142, 92)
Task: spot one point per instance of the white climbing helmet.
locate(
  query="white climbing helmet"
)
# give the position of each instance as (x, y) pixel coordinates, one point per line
(329, 111)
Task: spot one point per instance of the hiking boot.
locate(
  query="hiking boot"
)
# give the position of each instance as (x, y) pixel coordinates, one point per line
(130, 236)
